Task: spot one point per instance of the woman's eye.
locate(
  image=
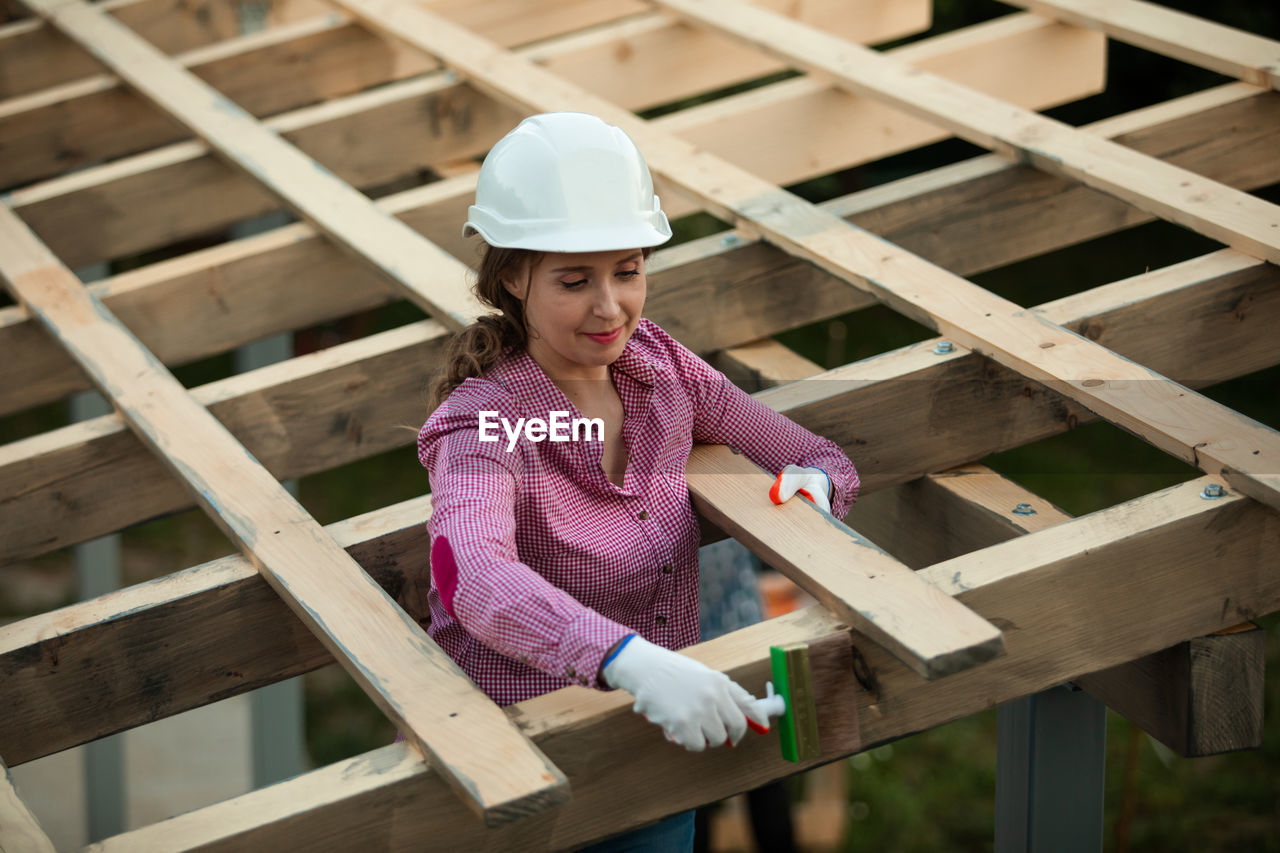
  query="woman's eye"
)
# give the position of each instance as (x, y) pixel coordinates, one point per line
(571, 284)
(628, 274)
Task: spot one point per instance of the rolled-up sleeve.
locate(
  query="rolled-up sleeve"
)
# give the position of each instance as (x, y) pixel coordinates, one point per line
(725, 414)
(497, 598)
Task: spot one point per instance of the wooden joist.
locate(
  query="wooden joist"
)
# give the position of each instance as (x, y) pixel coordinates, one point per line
(1228, 51)
(1042, 586)
(429, 277)
(1204, 433)
(49, 662)
(20, 832)
(1237, 219)
(498, 772)
(878, 596)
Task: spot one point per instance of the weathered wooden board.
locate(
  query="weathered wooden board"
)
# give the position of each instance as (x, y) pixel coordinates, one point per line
(386, 134)
(389, 798)
(866, 588)
(1201, 697)
(429, 277)
(499, 773)
(1229, 51)
(20, 832)
(968, 218)
(948, 402)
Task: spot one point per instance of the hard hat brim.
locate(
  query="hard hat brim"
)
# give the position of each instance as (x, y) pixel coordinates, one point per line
(602, 239)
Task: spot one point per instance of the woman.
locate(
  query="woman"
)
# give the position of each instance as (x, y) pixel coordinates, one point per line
(559, 562)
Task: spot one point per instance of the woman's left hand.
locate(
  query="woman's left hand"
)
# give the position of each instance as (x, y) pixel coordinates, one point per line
(811, 483)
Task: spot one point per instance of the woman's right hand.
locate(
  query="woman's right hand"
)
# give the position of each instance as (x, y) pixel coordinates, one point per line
(695, 705)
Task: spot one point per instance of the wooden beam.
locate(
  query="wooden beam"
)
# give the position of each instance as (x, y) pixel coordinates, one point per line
(1228, 51)
(20, 832)
(378, 136)
(499, 774)
(96, 119)
(968, 217)
(57, 488)
(1237, 219)
(390, 795)
(762, 364)
(866, 588)
(1204, 433)
(428, 276)
(48, 662)
(1203, 696)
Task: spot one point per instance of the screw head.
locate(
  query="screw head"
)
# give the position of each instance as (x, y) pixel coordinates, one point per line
(944, 347)
(1024, 509)
(729, 240)
(1213, 491)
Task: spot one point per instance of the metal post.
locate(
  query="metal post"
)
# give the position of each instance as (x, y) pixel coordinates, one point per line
(1050, 764)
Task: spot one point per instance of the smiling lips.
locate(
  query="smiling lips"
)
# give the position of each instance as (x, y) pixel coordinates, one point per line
(605, 337)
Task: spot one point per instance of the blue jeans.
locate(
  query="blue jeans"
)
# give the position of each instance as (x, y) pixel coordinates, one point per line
(673, 835)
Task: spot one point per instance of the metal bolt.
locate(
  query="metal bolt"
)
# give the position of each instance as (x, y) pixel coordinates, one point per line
(944, 347)
(1024, 509)
(729, 240)
(1212, 491)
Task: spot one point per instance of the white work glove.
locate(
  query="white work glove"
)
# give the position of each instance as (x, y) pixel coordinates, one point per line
(812, 483)
(695, 705)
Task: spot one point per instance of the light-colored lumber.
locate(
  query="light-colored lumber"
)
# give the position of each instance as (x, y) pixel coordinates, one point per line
(58, 488)
(1043, 585)
(1228, 51)
(1237, 219)
(763, 364)
(968, 218)
(1203, 696)
(429, 277)
(20, 832)
(948, 404)
(97, 119)
(1173, 418)
(385, 134)
(877, 595)
(498, 773)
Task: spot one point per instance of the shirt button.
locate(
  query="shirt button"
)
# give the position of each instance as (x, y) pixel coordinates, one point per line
(570, 673)
(666, 570)
(661, 620)
(644, 515)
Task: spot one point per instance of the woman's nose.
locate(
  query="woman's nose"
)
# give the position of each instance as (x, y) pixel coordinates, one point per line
(606, 302)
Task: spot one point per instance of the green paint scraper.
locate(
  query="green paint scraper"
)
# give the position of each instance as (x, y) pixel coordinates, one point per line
(794, 701)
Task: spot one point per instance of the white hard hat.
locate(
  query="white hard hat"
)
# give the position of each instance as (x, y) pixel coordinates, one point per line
(566, 182)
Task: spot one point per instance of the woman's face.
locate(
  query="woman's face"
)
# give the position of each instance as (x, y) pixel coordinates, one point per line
(580, 308)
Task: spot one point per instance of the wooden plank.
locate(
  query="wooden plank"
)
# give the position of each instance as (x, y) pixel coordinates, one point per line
(1237, 219)
(1201, 697)
(969, 218)
(1190, 320)
(97, 119)
(763, 364)
(1044, 585)
(1228, 51)
(386, 134)
(1202, 432)
(948, 402)
(20, 832)
(499, 773)
(880, 597)
(429, 277)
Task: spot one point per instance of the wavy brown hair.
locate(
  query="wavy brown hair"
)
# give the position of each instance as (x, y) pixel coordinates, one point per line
(477, 348)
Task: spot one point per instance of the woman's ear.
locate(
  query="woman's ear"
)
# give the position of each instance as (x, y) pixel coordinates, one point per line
(516, 280)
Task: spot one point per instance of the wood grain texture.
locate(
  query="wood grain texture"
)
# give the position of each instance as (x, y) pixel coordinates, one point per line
(1058, 627)
(865, 587)
(20, 832)
(1210, 45)
(1203, 696)
(968, 218)
(430, 278)
(1172, 417)
(1237, 219)
(92, 478)
(500, 774)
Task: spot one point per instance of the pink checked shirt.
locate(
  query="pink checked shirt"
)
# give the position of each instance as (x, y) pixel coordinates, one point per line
(554, 562)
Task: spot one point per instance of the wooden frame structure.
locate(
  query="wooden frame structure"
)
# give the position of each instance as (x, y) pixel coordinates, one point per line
(115, 115)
